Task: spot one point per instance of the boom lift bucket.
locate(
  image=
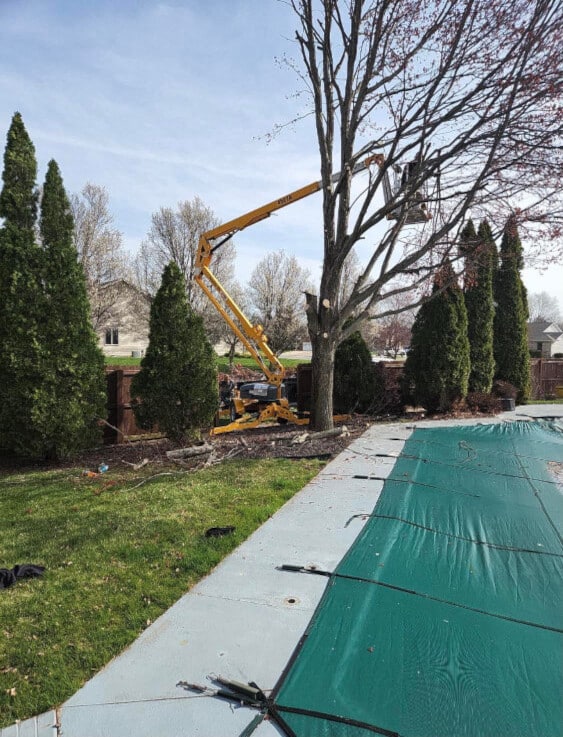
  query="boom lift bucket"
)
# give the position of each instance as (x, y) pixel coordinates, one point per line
(395, 186)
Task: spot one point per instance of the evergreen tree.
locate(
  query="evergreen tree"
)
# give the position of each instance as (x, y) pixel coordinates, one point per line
(354, 376)
(437, 368)
(72, 394)
(510, 331)
(479, 304)
(177, 385)
(21, 300)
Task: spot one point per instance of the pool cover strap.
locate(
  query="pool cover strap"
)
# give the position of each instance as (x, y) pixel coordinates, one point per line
(444, 616)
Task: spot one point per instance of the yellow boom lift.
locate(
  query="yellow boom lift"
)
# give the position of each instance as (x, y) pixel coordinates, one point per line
(253, 403)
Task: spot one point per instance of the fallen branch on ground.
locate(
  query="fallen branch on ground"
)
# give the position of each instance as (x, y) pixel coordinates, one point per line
(307, 436)
(213, 459)
(182, 453)
(136, 466)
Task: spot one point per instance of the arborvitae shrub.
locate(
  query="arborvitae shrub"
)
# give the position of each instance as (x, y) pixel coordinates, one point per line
(21, 297)
(72, 396)
(387, 398)
(354, 376)
(177, 385)
(478, 295)
(510, 329)
(437, 365)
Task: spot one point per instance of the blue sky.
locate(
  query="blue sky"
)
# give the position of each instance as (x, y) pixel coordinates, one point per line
(162, 101)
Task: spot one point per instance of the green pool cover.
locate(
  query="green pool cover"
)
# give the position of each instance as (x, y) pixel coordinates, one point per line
(444, 619)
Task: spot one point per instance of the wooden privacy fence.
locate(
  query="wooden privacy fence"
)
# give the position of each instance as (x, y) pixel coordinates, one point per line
(392, 371)
(546, 374)
(120, 414)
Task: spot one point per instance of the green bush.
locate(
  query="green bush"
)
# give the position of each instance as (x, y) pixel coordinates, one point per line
(483, 402)
(504, 390)
(22, 308)
(436, 371)
(510, 331)
(479, 305)
(72, 395)
(387, 398)
(354, 376)
(176, 387)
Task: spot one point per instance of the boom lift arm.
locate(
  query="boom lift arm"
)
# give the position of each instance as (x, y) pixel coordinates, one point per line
(253, 336)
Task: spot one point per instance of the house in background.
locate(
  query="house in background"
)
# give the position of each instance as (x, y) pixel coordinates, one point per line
(121, 319)
(546, 337)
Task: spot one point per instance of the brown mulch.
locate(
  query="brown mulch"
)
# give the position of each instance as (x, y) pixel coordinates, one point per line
(267, 441)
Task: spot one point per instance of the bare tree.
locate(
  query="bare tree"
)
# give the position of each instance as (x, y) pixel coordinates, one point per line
(393, 331)
(543, 307)
(223, 330)
(100, 250)
(174, 236)
(351, 271)
(468, 94)
(276, 292)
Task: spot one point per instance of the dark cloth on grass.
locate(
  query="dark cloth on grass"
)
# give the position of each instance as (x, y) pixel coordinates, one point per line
(9, 576)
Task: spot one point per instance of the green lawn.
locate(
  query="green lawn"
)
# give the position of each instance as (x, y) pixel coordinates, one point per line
(222, 362)
(117, 555)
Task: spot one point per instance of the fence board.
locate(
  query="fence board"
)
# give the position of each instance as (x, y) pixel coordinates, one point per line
(547, 374)
(120, 413)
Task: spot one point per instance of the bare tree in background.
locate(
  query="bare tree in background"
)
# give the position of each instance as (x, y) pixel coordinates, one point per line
(276, 292)
(468, 92)
(223, 330)
(174, 236)
(100, 250)
(543, 307)
(392, 332)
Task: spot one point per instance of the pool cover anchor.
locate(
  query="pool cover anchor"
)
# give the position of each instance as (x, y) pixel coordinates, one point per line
(290, 568)
(245, 694)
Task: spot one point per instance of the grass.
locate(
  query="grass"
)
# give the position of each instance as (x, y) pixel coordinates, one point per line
(117, 555)
(222, 362)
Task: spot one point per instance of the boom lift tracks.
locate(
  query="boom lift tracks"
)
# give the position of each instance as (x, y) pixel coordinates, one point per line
(264, 400)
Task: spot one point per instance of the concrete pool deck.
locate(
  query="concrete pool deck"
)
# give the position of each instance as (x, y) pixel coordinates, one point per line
(244, 620)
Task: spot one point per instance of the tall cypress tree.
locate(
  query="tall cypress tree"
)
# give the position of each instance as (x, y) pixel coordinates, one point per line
(510, 332)
(437, 367)
(72, 395)
(177, 385)
(479, 304)
(21, 299)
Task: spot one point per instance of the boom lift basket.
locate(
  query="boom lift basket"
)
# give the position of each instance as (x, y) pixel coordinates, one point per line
(394, 188)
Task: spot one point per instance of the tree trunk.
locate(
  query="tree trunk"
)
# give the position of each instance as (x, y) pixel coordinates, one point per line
(322, 383)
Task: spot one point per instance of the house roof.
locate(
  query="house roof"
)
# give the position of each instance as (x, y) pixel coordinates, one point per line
(544, 332)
